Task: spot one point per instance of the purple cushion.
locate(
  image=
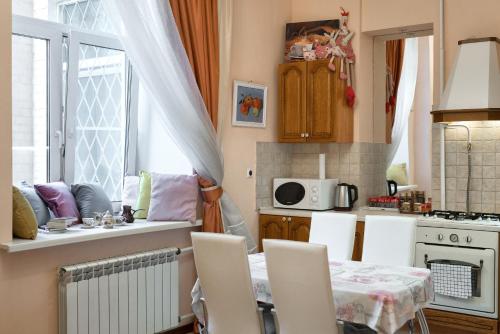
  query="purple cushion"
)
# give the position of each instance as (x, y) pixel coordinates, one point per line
(173, 197)
(58, 198)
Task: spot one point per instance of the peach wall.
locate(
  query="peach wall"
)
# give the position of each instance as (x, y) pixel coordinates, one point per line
(28, 280)
(5, 120)
(382, 15)
(257, 48)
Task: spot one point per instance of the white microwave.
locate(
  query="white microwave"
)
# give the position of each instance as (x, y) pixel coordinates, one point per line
(305, 194)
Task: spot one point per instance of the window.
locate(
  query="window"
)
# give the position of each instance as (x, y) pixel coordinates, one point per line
(72, 87)
(95, 148)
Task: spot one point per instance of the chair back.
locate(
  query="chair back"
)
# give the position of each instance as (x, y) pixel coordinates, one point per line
(389, 240)
(336, 231)
(301, 288)
(222, 266)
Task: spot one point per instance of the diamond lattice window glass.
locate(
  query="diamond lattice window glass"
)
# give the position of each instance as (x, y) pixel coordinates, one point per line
(100, 118)
(84, 14)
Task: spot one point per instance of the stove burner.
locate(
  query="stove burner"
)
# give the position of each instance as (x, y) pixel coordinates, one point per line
(460, 216)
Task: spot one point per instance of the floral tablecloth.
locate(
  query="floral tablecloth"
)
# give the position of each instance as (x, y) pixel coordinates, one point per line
(382, 297)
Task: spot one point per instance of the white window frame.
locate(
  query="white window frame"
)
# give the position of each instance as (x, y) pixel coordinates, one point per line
(78, 38)
(61, 122)
(51, 32)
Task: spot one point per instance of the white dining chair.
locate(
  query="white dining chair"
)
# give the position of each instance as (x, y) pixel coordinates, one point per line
(229, 301)
(301, 290)
(336, 231)
(389, 240)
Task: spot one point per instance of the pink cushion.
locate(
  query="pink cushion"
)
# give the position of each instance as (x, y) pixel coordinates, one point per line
(58, 198)
(173, 197)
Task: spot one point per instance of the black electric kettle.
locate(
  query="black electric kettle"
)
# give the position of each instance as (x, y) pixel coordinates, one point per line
(392, 187)
(345, 197)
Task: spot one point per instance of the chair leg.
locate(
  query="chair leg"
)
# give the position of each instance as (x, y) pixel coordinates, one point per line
(411, 326)
(424, 328)
(204, 329)
(260, 313)
(276, 323)
(340, 326)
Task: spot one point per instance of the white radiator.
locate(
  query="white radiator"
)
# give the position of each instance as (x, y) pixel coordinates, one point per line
(132, 294)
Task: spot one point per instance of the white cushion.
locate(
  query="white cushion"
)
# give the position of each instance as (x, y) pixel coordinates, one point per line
(130, 190)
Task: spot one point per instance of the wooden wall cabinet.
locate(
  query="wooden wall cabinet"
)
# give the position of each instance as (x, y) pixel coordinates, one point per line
(312, 105)
(297, 229)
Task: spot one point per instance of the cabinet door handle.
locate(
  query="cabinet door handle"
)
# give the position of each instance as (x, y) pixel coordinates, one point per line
(302, 134)
(307, 134)
(283, 219)
(289, 219)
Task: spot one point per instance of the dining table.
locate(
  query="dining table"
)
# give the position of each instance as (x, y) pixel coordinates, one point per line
(382, 297)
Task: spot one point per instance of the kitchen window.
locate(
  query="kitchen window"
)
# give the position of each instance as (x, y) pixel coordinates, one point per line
(74, 96)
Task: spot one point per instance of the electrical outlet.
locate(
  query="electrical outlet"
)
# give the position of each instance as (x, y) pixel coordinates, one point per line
(249, 173)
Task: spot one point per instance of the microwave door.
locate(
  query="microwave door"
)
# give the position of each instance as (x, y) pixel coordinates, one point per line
(290, 194)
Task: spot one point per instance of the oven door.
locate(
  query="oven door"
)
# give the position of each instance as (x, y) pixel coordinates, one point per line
(484, 303)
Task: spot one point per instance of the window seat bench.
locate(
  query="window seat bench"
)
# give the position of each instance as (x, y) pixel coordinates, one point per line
(76, 234)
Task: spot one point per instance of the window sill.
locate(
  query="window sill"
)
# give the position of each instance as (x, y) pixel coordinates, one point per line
(77, 234)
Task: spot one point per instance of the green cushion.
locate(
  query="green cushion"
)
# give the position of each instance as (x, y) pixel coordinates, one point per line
(397, 173)
(24, 224)
(144, 196)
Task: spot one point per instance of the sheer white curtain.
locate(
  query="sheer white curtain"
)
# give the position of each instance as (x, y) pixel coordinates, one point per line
(404, 101)
(148, 31)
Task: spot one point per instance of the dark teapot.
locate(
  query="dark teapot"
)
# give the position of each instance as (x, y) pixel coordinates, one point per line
(128, 214)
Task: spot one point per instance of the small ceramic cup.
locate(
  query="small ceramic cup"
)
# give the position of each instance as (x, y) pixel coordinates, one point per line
(88, 222)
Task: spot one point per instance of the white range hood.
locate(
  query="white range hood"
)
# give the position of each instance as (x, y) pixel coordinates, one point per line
(472, 91)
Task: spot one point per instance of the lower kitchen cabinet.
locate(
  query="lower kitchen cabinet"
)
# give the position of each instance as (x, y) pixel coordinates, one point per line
(297, 229)
(283, 227)
(442, 322)
(272, 227)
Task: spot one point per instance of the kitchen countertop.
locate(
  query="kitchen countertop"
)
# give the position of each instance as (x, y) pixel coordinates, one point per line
(361, 212)
(364, 211)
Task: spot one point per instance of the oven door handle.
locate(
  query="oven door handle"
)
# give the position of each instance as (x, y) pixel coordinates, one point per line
(453, 262)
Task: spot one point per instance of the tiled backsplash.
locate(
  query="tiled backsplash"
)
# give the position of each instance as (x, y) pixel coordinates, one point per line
(485, 171)
(362, 164)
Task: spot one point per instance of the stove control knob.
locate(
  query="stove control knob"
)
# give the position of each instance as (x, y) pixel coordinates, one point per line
(314, 199)
(453, 237)
(440, 237)
(468, 239)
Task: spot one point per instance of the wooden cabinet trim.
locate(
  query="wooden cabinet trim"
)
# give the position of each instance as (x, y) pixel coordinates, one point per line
(457, 323)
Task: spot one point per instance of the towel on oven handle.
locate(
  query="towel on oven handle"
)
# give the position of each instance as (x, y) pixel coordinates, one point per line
(452, 280)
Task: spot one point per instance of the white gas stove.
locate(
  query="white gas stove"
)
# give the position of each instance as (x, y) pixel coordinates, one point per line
(457, 219)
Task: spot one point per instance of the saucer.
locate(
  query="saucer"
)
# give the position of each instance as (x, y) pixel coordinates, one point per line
(86, 227)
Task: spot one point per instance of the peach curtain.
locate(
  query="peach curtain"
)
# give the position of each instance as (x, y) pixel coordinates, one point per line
(197, 22)
(394, 60)
(212, 217)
